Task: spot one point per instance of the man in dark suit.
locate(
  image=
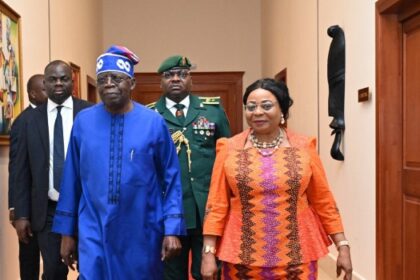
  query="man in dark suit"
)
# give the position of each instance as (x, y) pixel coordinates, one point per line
(28, 251)
(39, 162)
(195, 124)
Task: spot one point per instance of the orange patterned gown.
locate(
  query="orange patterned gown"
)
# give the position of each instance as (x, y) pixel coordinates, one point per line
(272, 213)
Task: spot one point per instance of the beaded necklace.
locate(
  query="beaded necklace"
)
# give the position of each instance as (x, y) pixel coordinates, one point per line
(266, 148)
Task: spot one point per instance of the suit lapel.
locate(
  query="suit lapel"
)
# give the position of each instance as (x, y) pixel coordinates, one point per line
(193, 110)
(166, 114)
(76, 107)
(42, 123)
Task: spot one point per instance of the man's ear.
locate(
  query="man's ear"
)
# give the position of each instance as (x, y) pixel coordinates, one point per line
(31, 95)
(133, 83)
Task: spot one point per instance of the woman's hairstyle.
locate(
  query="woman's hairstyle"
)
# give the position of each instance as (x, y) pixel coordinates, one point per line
(277, 88)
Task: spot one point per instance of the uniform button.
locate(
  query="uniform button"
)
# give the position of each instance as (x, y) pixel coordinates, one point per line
(192, 179)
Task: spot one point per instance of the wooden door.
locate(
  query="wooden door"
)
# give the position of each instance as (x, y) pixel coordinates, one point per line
(398, 139)
(227, 85)
(92, 95)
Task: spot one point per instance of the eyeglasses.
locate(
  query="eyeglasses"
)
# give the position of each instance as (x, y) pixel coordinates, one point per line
(265, 105)
(182, 74)
(115, 79)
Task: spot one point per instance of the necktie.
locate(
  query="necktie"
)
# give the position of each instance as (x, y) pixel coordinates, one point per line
(180, 112)
(58, 153)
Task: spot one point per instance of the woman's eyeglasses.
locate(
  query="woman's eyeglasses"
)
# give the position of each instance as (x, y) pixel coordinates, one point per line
(182, 74)
(115, 79)
(265, 106)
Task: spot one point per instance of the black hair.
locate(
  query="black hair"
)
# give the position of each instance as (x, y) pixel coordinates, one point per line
(31, 81)
(277, 88)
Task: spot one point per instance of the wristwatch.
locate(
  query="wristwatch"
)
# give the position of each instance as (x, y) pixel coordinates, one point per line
(342, 243)
(209, 249)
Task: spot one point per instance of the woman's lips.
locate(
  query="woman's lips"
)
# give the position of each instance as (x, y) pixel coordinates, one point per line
(258, 123)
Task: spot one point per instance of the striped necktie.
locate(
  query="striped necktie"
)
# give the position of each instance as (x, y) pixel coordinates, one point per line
(180, 112)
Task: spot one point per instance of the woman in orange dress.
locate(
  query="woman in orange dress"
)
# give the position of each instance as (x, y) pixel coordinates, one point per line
(270, 210)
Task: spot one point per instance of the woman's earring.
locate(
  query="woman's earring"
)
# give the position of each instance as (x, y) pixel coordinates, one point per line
(282, 121)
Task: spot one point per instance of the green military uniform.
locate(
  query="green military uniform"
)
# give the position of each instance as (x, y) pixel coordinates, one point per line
(205, 122)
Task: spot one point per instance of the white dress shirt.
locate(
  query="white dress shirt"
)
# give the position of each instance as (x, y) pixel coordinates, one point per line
(171, 105)
(67, 116)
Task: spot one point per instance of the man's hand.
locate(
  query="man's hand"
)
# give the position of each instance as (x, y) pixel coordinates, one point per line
(12, 217)
(23, 229)
(67, 251)
(171, 246)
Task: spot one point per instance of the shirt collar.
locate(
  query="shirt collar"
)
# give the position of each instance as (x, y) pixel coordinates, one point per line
(32, 105)
(68, 103)
(171, 104)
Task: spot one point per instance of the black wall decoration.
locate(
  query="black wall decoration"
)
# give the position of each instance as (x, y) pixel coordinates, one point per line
(336, 79)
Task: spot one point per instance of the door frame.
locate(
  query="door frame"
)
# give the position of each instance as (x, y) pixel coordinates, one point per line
(203, 84)
(389, 138)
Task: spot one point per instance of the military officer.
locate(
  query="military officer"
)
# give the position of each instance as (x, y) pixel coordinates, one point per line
(195, 124)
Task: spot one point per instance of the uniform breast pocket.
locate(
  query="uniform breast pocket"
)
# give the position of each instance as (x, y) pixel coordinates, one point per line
(139, 169)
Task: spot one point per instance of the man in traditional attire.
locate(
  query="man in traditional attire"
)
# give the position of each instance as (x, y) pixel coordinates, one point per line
(121, 193)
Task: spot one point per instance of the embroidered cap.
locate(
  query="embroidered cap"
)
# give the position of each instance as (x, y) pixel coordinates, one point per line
(174, 61)
(118, 59)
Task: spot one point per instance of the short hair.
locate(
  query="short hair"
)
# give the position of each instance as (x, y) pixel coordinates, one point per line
(56, 62)
(277, 88)
(30, 83)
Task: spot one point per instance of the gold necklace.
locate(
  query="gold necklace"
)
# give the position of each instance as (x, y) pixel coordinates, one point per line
(266, 148)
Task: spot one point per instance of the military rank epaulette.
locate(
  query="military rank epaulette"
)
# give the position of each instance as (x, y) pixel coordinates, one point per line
(151, 105)
(215, 100)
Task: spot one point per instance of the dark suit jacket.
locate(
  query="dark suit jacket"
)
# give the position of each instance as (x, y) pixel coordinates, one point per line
(32, 166)
(14, 138)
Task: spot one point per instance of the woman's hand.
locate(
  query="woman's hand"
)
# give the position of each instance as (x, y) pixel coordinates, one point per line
(208, 266)
(344, 262)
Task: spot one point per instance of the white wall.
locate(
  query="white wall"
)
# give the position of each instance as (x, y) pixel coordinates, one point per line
(75, 36)
(353, 180)
(294, 35)
(216, 35)
(289, 40)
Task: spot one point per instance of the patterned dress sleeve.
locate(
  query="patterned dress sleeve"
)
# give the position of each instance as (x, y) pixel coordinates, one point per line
(319, 194)
(217, 207)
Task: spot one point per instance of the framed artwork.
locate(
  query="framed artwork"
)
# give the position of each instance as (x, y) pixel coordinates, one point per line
(75, 69)
(11, 93)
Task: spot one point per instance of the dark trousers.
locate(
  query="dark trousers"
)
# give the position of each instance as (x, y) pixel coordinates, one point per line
(29, 259)
(49, 244)
(177, 268)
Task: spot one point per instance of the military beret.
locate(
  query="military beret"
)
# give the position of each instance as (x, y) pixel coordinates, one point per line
(174, 61)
